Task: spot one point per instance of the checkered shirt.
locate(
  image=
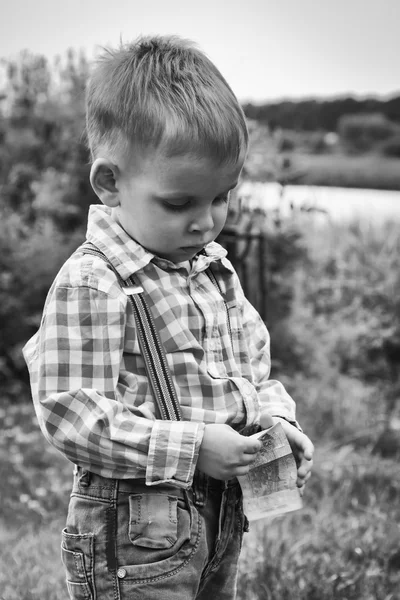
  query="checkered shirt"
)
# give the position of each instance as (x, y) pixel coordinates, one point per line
(89, 383)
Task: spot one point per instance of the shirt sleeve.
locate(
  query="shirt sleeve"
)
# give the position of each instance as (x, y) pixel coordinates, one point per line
(272, 395)
(80, 408)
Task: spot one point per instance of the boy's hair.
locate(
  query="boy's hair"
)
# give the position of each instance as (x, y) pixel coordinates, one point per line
(162, 91)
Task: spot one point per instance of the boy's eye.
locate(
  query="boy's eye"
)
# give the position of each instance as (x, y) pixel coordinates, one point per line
(175, 207)
(221, 199)
(185, 205)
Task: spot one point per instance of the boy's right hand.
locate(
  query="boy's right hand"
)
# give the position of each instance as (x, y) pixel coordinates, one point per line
(224, 453)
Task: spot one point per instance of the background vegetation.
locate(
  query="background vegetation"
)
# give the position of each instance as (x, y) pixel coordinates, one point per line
(329, 294)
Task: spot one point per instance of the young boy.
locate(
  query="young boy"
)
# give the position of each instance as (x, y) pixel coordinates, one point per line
(155, 510)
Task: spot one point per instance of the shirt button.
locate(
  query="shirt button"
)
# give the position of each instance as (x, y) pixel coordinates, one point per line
(248, 388)
(121, 573)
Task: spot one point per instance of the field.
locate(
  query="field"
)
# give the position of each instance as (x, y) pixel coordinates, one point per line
(344, 543)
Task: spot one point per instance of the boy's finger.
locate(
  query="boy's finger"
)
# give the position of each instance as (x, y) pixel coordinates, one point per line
(303, 470)
(252, 446)
(242, 470)
(304, 445)
(266, 421)
(301, 481)
(308, 449)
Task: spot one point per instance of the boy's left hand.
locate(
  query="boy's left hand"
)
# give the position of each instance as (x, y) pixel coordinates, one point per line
(301, 445)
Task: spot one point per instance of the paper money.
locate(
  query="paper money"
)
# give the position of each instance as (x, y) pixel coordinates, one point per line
(269, 489)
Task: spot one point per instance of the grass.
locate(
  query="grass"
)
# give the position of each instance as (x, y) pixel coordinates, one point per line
(30, 566)
(34, 496)
(342, 544)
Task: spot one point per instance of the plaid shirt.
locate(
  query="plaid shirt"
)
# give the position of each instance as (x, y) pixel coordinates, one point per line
(89, 384)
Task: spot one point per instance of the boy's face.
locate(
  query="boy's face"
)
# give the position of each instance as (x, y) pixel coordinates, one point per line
(174, 206)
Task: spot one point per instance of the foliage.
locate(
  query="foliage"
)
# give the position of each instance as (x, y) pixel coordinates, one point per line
(319, 115)
(44, 193)
(319, 159)
(43, 127)
(353, 295)
(361, 133)
(30, 256)
(391, 147)
(303, 276)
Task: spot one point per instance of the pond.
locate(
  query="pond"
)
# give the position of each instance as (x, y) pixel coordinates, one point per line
(332, 203)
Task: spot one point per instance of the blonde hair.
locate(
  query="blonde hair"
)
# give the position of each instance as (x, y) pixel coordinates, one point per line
(162, 91)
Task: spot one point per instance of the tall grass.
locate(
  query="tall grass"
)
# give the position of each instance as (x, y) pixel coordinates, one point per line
(343, 544)
(30, 566)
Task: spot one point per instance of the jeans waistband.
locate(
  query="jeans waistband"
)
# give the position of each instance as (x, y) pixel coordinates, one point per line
(88, 479)
(89, 482)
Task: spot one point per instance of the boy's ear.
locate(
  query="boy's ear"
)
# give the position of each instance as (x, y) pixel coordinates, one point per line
(103, 179)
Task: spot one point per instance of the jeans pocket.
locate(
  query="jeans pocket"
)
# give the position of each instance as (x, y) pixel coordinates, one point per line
(77, 558)
(153, 521)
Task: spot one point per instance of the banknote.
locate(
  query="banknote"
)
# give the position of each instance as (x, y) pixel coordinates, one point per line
(269, 489)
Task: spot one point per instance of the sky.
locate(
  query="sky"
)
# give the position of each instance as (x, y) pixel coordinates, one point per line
(266, 49)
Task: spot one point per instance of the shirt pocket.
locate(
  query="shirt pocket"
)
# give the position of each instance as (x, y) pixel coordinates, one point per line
(235, 311)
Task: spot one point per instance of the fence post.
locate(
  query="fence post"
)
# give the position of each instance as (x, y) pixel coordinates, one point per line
(262, 277)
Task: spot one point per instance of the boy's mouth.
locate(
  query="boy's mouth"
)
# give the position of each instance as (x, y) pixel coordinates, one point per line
(195, 248)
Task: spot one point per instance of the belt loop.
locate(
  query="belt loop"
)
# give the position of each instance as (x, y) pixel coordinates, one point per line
(200, 488)
(84, 478)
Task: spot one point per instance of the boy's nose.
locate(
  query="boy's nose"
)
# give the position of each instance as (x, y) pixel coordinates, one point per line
(203, 222)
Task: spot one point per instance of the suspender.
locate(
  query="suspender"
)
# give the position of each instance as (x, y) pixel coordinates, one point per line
(149, 342)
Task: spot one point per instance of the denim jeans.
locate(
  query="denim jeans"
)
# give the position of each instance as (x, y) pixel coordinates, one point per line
(127, 541)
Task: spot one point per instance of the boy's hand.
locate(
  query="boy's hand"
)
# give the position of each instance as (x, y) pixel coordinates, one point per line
(302, 447)
(224, 453)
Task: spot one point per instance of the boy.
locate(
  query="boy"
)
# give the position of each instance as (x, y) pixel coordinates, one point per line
(155, 510)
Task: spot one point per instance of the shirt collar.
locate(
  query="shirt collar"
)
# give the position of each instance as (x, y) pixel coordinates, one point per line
(129, 257)
(126, 255)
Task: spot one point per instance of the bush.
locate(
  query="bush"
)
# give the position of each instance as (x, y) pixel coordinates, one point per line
(391, 147)
(360, 133)
(30, 257)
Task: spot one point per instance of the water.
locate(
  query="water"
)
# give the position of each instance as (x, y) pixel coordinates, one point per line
(332, 203)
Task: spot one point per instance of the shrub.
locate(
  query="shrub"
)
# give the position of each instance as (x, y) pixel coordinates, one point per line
(391, 147)
(363, 132)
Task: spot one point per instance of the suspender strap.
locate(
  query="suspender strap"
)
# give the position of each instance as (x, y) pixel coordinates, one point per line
(149, 342)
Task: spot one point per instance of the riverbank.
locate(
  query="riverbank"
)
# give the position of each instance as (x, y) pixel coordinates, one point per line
(267, 163)
(339, 170)
(328, 203)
